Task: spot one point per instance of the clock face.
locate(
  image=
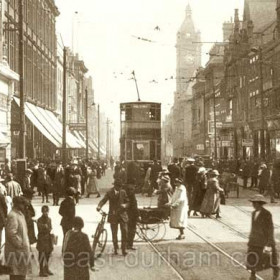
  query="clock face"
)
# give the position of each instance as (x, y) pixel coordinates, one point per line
(189, 58)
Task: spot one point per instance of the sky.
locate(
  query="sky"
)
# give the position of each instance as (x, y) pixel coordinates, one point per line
(105, 32)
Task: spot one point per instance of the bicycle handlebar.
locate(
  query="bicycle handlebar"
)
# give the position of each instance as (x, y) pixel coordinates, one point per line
(103, 213)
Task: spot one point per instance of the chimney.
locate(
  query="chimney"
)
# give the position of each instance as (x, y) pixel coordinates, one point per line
(227, 30)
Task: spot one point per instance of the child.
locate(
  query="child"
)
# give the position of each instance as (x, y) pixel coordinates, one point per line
(44, 243)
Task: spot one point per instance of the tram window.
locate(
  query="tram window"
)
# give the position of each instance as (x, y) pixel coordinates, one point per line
(122, 115)
(128, 114)
(141, 151)
(157, 114)
(152, 150)
(152, 114)
(129, 150)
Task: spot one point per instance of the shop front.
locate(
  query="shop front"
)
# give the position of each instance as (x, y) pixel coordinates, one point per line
(274, 138)
(44, 133)
(7, 79)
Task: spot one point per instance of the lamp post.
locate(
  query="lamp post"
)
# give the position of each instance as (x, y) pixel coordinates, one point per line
(108, 139)
(215, 121)
(22, 147)
(64, 106)
(86, 117)
(98, 132)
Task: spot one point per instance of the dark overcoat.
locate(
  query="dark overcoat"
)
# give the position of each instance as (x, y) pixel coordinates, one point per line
(116, 212)
(67, 211)
(44, 242)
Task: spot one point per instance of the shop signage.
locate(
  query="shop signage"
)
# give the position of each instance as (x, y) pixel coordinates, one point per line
(273, 124)
(77, 126)
(200, 147)
(247, 142)
(226, 143)
(228, 125)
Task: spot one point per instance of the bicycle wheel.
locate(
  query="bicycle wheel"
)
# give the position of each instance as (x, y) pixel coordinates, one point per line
(99, 243)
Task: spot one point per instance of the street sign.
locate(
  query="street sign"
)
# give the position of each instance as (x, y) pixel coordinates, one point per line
(247, 142)
(77, 126)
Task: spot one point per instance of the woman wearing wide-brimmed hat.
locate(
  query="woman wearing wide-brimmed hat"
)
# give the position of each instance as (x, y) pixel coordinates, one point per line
(211, 201)
(261, 237)
(179, 208)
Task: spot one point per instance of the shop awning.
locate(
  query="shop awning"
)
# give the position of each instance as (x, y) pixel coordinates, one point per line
(47, 123)
(4, 141)
(78, 136)
(90, 143)
(102, 149)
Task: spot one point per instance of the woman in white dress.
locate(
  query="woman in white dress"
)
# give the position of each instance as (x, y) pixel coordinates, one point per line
(179, 208)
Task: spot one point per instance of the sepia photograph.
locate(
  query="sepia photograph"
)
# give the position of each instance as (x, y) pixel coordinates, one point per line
(139, 139)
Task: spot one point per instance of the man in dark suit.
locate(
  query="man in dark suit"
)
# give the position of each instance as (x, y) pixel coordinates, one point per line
(67, 210)
(155, 170)
(175, 171)
(118, 204)
(261, 238)
(133, 216)
(3, 215)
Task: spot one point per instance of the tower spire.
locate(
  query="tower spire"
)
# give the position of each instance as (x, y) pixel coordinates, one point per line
(188, 9)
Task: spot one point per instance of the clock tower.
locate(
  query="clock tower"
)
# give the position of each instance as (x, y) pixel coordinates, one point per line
(188, 50)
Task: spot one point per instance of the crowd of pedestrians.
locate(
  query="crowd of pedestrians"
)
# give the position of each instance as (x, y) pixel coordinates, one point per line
(71, 182)
(187, 187)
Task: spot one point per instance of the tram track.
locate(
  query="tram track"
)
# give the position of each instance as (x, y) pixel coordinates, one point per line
(193, 229)
(248, 213)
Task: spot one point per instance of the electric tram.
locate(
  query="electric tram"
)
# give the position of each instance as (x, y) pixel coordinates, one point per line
(140, 138)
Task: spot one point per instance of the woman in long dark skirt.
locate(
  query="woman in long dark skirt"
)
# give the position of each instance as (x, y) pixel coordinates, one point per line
(77, 254)
(199, 190)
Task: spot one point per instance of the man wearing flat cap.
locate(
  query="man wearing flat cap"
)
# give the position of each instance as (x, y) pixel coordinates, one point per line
(118, 204)
(261, 238)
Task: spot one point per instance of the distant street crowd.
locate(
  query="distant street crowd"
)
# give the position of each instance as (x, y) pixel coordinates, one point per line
(71, 182)
(183, 188)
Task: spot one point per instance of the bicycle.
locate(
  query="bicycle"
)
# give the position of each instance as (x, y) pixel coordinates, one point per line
(100, 237)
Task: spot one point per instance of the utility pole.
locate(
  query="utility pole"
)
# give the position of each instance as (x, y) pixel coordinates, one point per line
(64, 106)
(215, 128)
(204, 119)
(22, 142)
(107, 140)
(262, 105)
(98, 132)
(86, 117)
